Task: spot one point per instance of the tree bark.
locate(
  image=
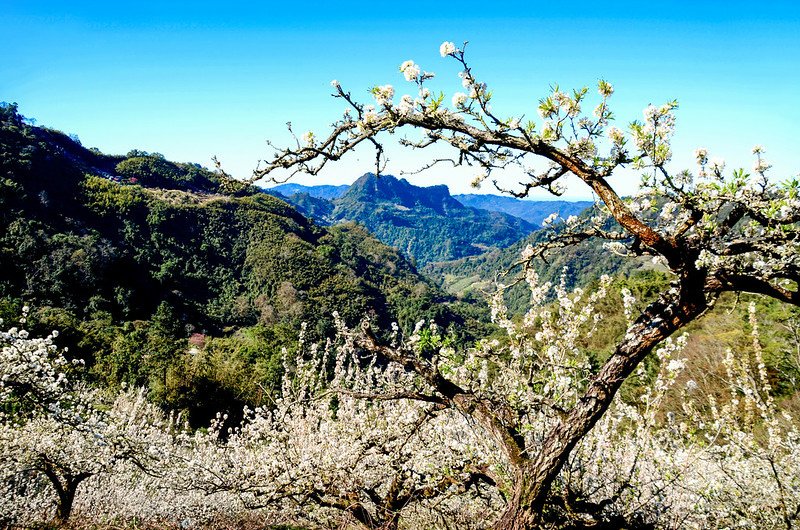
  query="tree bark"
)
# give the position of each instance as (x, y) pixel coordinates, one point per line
(66, 487)
(66, 498)
(533, 483)
(520, 514)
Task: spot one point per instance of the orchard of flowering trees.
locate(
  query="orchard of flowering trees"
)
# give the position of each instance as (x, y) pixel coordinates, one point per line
(355, 441)
(381, 430)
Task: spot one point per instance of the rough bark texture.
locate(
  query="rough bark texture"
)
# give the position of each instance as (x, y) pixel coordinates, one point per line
(662, 318)
(520, 513)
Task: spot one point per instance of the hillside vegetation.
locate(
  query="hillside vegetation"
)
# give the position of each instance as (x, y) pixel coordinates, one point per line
(424, 223)
(131, 256)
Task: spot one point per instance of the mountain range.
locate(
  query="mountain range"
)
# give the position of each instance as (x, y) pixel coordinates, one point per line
(165, 276)
(425, 223)
(533, 211)
(131, 255)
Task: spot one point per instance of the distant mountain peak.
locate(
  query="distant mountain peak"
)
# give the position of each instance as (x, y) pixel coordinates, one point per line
(388, 188)
(531, 210)
(426, 223)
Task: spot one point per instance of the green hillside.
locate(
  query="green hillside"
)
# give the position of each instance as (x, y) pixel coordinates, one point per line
(426, 224)
(130, 256)
(579, 265)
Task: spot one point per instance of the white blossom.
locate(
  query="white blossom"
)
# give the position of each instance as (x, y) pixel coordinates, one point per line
(383, 94)
(701, 155)
(410, 70)
(550, 219)
(459, 98)
(406, 106)
(716, 164)
(447, 48)
(615, 135)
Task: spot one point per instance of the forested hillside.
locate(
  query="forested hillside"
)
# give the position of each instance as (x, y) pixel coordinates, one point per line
(531, 210)
(131, 256)
(578, 265)
(424, 223)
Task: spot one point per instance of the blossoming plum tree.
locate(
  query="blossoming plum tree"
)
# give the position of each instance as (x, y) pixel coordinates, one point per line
(378, 445)
(350, 448)
(56, 432)
(715, 231)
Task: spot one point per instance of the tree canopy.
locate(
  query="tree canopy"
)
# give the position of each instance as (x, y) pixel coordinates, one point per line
(716, 231)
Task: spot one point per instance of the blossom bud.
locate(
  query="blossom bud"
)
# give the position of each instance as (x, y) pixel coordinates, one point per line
(701, 154)
(605, 88)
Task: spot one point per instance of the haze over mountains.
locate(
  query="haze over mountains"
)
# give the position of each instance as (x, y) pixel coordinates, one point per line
(532, 211)
(426, 223)
(323, 191)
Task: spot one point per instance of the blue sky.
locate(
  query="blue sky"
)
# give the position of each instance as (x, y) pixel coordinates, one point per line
(197, 79)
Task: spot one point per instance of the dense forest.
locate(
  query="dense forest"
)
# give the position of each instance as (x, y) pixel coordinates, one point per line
(132, 256)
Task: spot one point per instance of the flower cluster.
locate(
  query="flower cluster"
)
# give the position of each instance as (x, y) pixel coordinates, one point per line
(447, 48)
(383, 95)
(410, 70)
(652, 137)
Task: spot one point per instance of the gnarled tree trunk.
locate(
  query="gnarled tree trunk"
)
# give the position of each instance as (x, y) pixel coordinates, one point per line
(535, 476)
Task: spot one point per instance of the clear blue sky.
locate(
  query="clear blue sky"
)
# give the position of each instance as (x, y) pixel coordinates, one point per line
(196, 79)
